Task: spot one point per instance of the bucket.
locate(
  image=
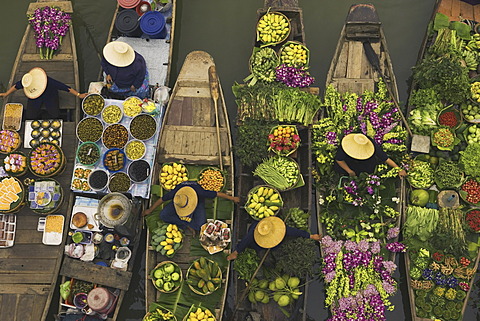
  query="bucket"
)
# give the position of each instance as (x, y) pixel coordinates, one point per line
(100, 300)
(128, 4)
(127, 23)
(143, 7)
(153, 25)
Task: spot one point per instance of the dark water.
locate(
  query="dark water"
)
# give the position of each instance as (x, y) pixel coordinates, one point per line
(225, 29)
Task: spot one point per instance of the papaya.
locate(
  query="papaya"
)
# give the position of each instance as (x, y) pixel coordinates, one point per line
(210, 286)
(203, 262)
(200, 284)
(196, 264)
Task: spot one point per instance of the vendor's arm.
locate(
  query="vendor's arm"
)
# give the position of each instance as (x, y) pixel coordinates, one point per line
(76, 93)
(295, 232)
(149, 211)
(8, 92)
(346, 168)
(402, 173)
(246, 241)
(234, 199)
(141, 69)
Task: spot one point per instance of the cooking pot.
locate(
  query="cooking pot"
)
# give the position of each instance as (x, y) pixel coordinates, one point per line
(113, 209)
(100, 300)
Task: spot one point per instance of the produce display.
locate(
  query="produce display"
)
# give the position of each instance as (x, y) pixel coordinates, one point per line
(297, 218)
(420, 174)
(283, 140)
(12, 192)
(199, 314)
(98, 179)
(263, 201)
(15, 164)
(470, 191)
(472, 218)
(469, 160)
(272, 28)
(211, 179)
(475, 91)
(294, 76)
(294, 54)
(448, 175)
(166, 277)
(135, 149)
(246, 263)
(119, 182)
(112, 114)
(471, 112)
(114, 159)
(115, 136)
(160, 314)
(12, 116)
(9, 141)
(421, 222)
(279, 172)
(80, 176)
(139, 170)
(419, 197)
(143, 127)
(172, 174)
(263, 64)
(444, 138)
(93, 104)
(472, 134)
(204, 276)
(215, 236)
(88, 153)
(284, 290)
(89, 129)
(45, 159)
(167, 239)
(45, 195)
(132, 106)
(449, 118)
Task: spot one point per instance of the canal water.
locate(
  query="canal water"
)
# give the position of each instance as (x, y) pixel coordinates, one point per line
(225, 29)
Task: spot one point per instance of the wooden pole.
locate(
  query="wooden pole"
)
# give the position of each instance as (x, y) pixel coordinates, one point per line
(212, 75)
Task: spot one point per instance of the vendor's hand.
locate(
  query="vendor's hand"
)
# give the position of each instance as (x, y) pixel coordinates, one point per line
(3, 94)
(351, 173)
(147, 212)
(316, 237)
(132, 88)
(402, 173)
(109, 79)
(81, 96)
(232, 256)
(236, 199)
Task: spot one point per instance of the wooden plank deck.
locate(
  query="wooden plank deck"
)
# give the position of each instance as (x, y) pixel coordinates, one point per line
(458, 10)
(29, 269)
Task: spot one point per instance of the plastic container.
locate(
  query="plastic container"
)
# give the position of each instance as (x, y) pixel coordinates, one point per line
(142, 7)
(127, 23)
(94, 147)
(153, 25)
(121, 163)
(139, 171)
(98, 175)
(128, 4)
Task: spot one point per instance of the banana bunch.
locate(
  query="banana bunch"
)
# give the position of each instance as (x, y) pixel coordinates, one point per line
(471, 59)
(298, 218)
(473, 44)
(263, 65)
(294, 55)
(200, 314)
(172, 175)
(263, 202)
(204, 276)
(159, 315)
(475, 90)
(167, 239)
(272, 27)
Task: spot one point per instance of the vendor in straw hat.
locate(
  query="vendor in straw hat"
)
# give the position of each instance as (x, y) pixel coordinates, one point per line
(125, 70)
(187, 206)
(41, 90)
(268, 234)
(357, 153)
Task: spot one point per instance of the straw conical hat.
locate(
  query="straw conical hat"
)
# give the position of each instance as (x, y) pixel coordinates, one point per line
(185, 201)
(358, 146)
(34, 82)
(269, 232)
(119, 53)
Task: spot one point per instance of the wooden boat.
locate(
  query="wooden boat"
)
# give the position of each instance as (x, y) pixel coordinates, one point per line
(29, 269)
(455, 10)
(197, 134)
(157, 54)
(301, 197)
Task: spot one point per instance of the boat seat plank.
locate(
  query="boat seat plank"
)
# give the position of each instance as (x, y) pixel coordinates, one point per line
(87, 271)
(8, 306)
(34, 289)
(175, 114)
(198, 91)
(56, 58)
(28, 238)
(466, 11)
(31, 45)
(63, 5)
(445, 7)
(187, 110)
(203, 113)
(455, 10)
(38, 307)
(34, 278)
(355, 53)
(341, 65)
(476, 12)
(193, 159)
(26, 264)
(28, 250)
(24, 307)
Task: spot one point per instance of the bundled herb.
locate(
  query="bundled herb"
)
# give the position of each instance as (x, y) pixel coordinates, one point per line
(449, 233)
(469, 159)
(280, 172)
(248, 148)
(448, 175)
(296, 257)
(420, 223)
(296, 218)
(246, 263)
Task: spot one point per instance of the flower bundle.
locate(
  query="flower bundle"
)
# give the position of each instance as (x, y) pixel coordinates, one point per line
(294, 76)
(358, 279)
(50, 25)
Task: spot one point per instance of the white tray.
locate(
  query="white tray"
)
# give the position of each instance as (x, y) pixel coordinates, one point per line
(28, 133)
(53, 238)
(90, 212)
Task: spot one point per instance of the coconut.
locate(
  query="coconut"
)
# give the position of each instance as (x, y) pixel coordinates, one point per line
(284, 300)
(280, 283)
(419, 197)
(293, 282)
(263, 284)
(259, 295)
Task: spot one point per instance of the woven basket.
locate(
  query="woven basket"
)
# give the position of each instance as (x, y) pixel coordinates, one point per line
(194, 308)
(195, 289)
(284, 153)
(18, 205)
(18, 174)
(215, 169)
(59, 170)
(16, 147)
(286, 44)
(250, 196)
(59, 202)
(162, 184)
(284, 37)
(174, 318)
(177, 269)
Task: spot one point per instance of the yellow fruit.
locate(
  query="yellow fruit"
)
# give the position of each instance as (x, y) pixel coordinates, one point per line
(174, 227)
(170, 252)
(177, 240)
(163, 243)
(163, 174)
(169, 235)
(167, 247)
(169, 241)
(208, 313)
(274, 197)
(260, 191)
(252, 205)
(201, 315)
(274, 208)
(169, 227)
(198, 311)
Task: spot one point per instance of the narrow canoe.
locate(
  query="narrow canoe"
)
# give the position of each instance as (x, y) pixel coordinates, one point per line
(301, 197)
(29, 269)
(189, 136)
(455, 10)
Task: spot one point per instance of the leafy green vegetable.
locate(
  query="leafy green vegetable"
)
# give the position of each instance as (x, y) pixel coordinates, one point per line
(450, 235)
(246, 263)
(249, 149)
(426, 97)
(296, 257)
(441, 21)
(469, 160)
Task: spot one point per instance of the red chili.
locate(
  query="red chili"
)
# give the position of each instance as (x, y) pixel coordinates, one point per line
(473, 220)
(472, 187)
(448, 119)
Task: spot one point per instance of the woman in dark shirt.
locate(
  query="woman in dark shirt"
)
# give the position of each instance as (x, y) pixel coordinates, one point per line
(357, 153)
(41, 90)
(125, 70)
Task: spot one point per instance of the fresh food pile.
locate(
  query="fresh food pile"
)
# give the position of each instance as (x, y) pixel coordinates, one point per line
(160, 314)
(119, 182)
(471, 111)
(420, 174)
(93, 104)
(167, 239)
(9, 141)
(449, 118)
(448, 175)
(263, 201)
(132, 106)
(297, 218)
(294, 54)
(45, 159)
(470, 191)
(283, 140)
(279, 172)
(211, 179)
(472, 218)
(173, 174)
(200, 314)
(88, 153)
(204, 276)
(89, 129)
(15, 164)
(115, 136)
(143, 127)
(135, 149)
(272, 28)
(283, 289)
(166, 277)
(112, 114)
(444, 138)
(263, 64)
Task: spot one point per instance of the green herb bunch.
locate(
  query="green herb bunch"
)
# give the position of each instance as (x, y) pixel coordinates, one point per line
(296, 257)
(246, 263)
(249, 146)
(469, 159)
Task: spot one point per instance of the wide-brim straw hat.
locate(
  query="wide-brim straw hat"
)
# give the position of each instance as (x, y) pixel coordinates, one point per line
(119, 53)
(358, 146)
(34, 82)
(269, 232)
(185, 201)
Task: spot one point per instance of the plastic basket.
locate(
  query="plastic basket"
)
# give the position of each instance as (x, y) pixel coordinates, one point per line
(94, 146)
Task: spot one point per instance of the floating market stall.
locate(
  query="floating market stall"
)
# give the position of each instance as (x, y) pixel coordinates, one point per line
(441, 217)
(359, 216)
(277, 103)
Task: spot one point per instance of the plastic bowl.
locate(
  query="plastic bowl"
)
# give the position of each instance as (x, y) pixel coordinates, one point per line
(128, 145)
(120, 160)
(95, 110)
(93, 146)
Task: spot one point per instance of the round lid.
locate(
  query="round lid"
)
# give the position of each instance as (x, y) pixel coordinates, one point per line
(98, 299)
(127, 20)
(152, 22)
(128, 4)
